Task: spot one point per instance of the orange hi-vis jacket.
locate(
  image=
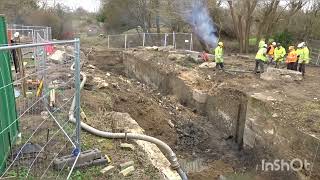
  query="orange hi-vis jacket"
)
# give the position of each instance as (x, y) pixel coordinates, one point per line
(271, 51)
(292, 57)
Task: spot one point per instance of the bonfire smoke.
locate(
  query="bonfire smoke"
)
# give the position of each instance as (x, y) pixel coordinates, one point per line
(198, 17)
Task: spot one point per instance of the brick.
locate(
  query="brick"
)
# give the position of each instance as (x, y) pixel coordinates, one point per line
(126, 164)
(127, 146)
(128, 171)
(108, 169)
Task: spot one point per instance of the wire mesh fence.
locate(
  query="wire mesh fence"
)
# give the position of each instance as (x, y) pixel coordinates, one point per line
(30, 31)
(315, 51)
(44, 89)
(181, 41)
(28, 35)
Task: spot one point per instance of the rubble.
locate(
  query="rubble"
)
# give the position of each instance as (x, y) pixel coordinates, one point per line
(208, 65)
(58, 56)
(273, 74)
(193, 58)
(199, 96)
(166, 49)
(103, 85)
(174, 57)
(153, 48)
(127, 146)
(91, 66)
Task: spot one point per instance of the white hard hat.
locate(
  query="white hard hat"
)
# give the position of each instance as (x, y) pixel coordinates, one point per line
(300, 45)
(265, 45)
(274, 43)
(16, 34)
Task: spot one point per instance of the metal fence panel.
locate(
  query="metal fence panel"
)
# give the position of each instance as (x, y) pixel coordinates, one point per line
(183, 41)
(135, 40)
(154, 39)
(116, 41)
(178, 40)
(314, 46)
(43, 96)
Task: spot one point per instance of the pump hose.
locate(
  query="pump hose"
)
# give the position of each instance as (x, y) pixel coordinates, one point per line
(172, 156)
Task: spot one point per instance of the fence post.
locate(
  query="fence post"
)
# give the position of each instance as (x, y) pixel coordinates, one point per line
(165, 39)
(191, 42)
(43, 64)
(174, 40)
(143, 39)
(125, 41)
(77, 93)
(14, 29)
(108, 41)
(47, 38)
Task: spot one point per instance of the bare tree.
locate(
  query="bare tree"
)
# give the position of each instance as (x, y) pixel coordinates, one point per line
(294, 7)
(268, 18)
(242, 20)
(312, 18)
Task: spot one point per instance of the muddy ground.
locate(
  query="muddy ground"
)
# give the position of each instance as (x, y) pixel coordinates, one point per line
(201, 148)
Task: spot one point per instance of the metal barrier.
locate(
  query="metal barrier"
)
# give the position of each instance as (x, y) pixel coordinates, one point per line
(45, 31)
(30, 34)
(177, 40)
(315, 51)
(44, 90)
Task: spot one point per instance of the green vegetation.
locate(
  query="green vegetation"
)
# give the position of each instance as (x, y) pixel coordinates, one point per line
(87, 174)
(285, 38)
(20, 174)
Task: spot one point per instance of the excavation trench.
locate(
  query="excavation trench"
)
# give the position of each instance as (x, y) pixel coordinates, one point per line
(213, 142)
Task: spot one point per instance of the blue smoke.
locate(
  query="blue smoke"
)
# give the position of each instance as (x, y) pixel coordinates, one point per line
(202, 23)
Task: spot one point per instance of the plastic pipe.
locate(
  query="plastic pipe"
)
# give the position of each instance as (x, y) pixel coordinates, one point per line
(172, 156)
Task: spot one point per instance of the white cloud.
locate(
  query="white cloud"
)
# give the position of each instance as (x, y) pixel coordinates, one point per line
(89, 5)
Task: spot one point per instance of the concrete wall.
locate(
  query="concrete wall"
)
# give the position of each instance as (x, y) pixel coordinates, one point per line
(226, 109)
(263, 131)
(246, 118)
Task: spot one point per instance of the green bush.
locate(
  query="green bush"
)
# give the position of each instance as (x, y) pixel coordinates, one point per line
(285, 38)
(101, 17)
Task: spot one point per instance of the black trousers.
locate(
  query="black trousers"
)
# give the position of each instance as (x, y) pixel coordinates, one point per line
(302, 68)
(295, 67)
(291, 66)
(15, 60)
(220, 66)
(259, 63)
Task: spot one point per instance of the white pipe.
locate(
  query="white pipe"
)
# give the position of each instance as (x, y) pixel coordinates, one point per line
(172, 156)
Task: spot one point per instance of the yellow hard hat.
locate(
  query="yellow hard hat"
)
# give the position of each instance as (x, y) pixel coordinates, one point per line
(220, 43)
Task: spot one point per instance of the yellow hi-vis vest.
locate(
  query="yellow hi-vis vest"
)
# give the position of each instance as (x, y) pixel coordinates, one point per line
(279, 53)
(218, 53)
(261, 55)
(304, 55)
